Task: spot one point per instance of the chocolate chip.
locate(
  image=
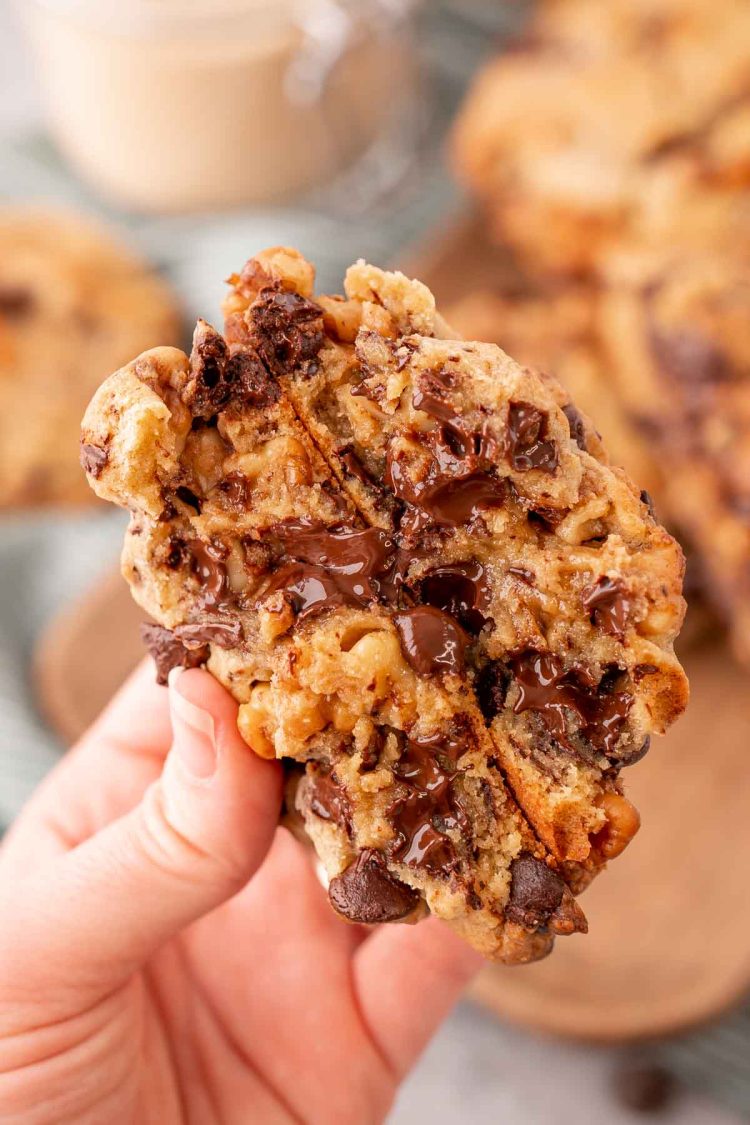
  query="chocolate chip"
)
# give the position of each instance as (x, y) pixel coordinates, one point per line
(235, 491)
(547, 687)
(94, 459)
(188, 497)
(535, 892)
(326, 567)
(428, 808)
(169, 651)
(286, 330)
(207, 565)
(328, 799)
(218, 380)
(206, 391)
(648, 501)
(431, 640)
(248, 381)
(460, 589)
(576, 425)
(491, 687)
(643, 1087)
(608, 605)
(526, 442)
(369, 893)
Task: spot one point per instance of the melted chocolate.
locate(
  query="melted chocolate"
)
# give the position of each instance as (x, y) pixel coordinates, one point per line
(576, 425)
(94, 459)
(526, 442)
(329, 801)
(461, 590)
(447, 501)
(545, 686)
(608, 606)
(325, 568)
(368, 892)
(235, 490)
(206, 563)
(429, 809)
(431, 640)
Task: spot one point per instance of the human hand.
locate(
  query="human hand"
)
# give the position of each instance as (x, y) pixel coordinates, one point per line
(167, 953)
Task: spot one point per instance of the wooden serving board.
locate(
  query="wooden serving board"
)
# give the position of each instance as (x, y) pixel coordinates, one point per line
(667, 946)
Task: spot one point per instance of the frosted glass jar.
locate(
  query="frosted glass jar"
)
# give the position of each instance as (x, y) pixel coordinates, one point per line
(174, 105)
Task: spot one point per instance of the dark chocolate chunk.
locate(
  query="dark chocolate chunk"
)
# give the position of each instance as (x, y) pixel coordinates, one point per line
(206, 390)
(328, 799)
(428, 809)
(169, 651)
(431, 640)
(219, 379)
(322, 568)
(445, 500)
(547, 687)
(206, 563)
(576, 425)
(526, 443)
(607, 605)
(643, 1087)
(287, 330)
(369, 893)
(648, 501)
(235, 491)
(535, 892)
(94, 458)
(248, 381)
(491, 688)
(188, 497)
(461, 590)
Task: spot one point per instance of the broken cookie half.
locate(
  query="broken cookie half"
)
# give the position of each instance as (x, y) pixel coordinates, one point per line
(409, 561)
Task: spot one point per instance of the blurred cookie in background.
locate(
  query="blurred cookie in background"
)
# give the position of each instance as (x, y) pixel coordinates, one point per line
(609, 120)
(75, 303)
(678, 340)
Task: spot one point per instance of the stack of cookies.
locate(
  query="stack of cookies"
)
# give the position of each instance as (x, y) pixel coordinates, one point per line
(610, 153)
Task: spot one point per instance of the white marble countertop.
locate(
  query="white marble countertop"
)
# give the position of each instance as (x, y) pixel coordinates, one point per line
(476, 1070)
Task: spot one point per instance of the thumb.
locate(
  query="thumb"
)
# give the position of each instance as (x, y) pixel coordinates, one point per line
(90, 917)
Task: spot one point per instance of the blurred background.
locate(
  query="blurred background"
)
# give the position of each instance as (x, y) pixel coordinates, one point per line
(572, 178)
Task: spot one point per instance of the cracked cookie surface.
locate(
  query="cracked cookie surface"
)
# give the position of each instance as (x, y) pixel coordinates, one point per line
(408, 560)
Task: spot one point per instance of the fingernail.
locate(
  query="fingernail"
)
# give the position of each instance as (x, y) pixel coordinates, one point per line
(193, 731)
